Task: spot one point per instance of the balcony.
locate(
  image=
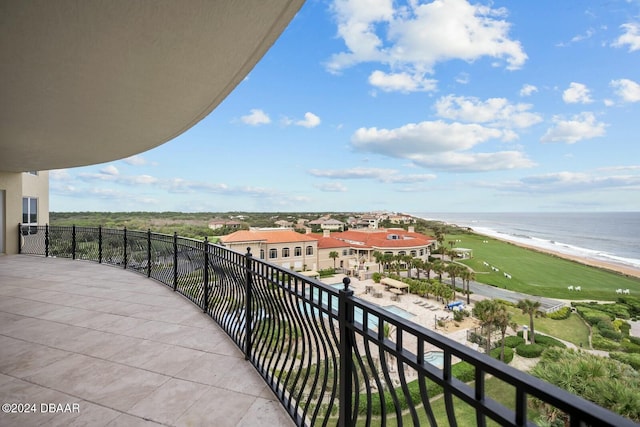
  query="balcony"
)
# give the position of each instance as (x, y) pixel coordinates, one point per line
(268, 345)
(121, 347)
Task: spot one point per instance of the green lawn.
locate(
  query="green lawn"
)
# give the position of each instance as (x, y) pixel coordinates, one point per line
(537, 273)
(572, 329)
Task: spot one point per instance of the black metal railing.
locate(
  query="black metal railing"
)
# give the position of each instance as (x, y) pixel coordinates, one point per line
(330, 358)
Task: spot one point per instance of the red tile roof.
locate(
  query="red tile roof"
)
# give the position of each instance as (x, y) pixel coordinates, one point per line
(268, 236)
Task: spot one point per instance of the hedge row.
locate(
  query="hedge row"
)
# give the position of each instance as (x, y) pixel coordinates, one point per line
(613, 310)
(560, 314)
(632, 360)
(546, 340)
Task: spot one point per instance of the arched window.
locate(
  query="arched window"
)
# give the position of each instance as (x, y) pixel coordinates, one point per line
(285, 252)
(273, 253)
(414, 253)
(261, 253)
(298, 251)
(309, 250)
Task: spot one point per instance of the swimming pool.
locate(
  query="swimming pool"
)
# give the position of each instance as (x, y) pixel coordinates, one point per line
(399, 311)
(435, 358)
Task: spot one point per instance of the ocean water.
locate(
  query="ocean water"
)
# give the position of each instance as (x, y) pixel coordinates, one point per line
(606, 236)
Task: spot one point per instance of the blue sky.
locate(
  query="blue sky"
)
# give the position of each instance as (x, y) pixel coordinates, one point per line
(417, 106)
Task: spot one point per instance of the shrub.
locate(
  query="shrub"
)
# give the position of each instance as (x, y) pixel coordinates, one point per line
(376, 277)
(610, 334)
(508, 354)
(548, 341)
(513, 341)
(560, 314)
(529, 350)
(629, 347)
(463, 371)
(601, 343)
(593, 317)
(635, 340)
(622, 326)
(632, 360)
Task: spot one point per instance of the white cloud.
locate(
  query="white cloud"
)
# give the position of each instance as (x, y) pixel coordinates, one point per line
(463, 78)
(135, 160)
(256, 117)
(528, 90)
(560, 182)
(581, 126)
(422, 138)
(310, 120)
(493, 111)
(440, 145)
(401, 82)
(331, 187)
(412, 39)
(576, 93)
(475, 162)
(60, 175)
(626, 89)
(631, 37)
(390, 176)
(587, 35)
(110, 170)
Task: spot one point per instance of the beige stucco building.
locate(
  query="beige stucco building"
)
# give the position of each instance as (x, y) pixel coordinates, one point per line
(24, 199)
(287, 248)
(355, 249)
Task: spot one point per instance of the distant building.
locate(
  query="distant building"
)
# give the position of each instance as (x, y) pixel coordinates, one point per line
(356, 247)
(218, 223)
(283, 247)
(284, 224)
(332, 225)
(311, 251)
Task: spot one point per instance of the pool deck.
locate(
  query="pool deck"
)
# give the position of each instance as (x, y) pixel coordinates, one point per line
(120, 350)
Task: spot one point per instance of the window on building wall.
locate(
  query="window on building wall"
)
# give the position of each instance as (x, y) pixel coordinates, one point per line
(273, 253)
(29, 215)
(402, 253)
(421, 252)
(261, 253)
(298, 251)
(33, 173)
(413, 254)
(285, 253)
(309, 250)
(345, 252)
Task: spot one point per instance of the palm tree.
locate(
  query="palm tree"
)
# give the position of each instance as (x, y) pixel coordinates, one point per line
(531, 308)
(467, 276)
(438, 267)
(454, 270)
(379, 257)
(419, 265)
(503, 321)
(333, 255)
(427, 266)
(487, 311)
(407, 260)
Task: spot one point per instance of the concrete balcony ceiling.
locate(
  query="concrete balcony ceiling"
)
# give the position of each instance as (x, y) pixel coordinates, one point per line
(85, 82)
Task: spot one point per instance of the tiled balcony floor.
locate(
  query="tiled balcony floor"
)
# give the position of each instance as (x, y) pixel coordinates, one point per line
(126, 349)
